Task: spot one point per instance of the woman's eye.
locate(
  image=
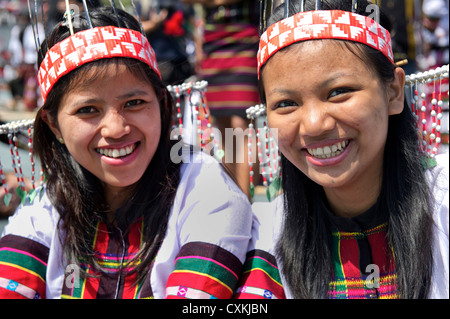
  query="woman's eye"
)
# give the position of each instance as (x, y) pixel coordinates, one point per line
(339, 91)
(134, 103)
(286, 103)
(86, 110)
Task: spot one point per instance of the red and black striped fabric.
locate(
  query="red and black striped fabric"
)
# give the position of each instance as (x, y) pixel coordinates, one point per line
(363, 265)
(230, 66)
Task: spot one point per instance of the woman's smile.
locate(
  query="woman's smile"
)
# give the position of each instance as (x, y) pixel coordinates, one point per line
(116, 152)
(328, 151)
(328, 155)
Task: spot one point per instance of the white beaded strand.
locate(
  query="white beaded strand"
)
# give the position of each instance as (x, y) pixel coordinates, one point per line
(250, 156)
(430, 134)
(30, 153)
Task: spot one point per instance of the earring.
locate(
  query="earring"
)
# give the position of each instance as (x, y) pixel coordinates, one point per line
(61, 140)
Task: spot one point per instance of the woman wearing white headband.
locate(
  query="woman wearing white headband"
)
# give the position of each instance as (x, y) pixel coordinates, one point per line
(118, 218)
(364, 213)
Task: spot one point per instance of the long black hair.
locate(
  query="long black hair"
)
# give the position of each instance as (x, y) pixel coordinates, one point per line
(76, 193)
(304, 244)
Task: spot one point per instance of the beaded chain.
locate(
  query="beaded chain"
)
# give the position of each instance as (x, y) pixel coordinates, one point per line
(179, 114)
(200, 114)
(7, 196)
(426, 92)
(12, 130)
(267, 150)
(250, 158)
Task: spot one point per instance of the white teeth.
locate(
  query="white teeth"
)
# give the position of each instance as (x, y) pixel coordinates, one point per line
(334, 148)
(328, 151)
(115, 153)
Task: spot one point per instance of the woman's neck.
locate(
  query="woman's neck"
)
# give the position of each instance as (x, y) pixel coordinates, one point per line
(116, 197)
(354, 200)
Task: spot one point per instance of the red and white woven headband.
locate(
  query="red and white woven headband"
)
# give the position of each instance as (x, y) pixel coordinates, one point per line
(90, 45)
(324, 24)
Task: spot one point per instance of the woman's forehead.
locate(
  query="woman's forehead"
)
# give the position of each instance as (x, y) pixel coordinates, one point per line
(101, 70)
(314, 54)
(315, 64)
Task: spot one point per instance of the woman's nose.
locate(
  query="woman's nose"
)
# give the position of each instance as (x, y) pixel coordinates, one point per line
(115, 125)
(315, 119)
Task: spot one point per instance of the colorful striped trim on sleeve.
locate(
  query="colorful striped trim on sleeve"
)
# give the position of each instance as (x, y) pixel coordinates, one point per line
(203, 271)
(261, 278)
(23, 267)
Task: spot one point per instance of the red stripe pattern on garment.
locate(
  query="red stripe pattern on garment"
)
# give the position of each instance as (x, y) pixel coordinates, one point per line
(23, 267)
(203, 271)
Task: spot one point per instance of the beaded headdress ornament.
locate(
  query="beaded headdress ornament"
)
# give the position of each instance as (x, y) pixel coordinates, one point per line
(341, 25)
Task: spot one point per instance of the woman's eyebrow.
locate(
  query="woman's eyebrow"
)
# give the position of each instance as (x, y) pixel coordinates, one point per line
(93, 100)
(282, 91)
(133, 93)
(335, 77)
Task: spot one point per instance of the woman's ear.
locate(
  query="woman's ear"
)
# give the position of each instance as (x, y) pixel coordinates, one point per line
(396, 92)
(52, 123)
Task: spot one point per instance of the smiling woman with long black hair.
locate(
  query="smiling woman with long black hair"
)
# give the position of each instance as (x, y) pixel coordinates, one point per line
(118, 218)
(364, 213)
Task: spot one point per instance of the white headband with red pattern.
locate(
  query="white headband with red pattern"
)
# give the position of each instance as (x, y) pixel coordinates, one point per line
(324, 24)
(90, 45)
